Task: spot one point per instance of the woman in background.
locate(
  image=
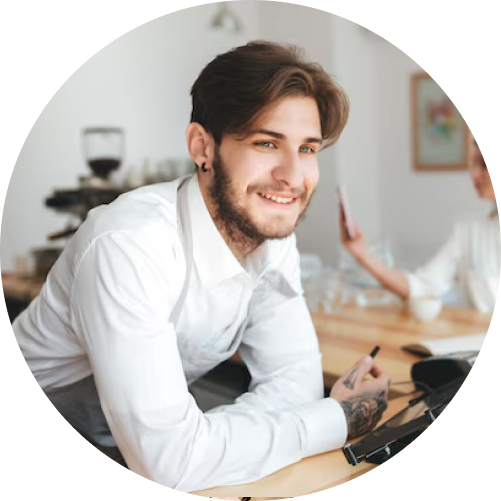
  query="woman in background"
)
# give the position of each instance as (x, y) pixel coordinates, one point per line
(470, 258)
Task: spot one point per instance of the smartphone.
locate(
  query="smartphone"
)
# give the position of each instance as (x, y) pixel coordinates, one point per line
(343, 200)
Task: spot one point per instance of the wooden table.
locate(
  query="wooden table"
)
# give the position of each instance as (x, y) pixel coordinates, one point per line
(310, 475)
(346, 336)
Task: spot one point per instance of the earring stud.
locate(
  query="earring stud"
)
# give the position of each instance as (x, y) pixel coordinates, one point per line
(203, 168)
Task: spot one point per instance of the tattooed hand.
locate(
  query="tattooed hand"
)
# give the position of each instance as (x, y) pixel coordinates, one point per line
(363, 399)
(362, 414)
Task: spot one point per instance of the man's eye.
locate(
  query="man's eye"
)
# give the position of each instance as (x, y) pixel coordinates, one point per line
(306, 149)
(266, 144)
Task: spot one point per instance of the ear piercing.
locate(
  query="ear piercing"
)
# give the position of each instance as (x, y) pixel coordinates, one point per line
(203, 168)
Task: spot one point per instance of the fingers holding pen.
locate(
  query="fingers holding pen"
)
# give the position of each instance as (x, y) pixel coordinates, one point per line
(364, 366)
(367, 365)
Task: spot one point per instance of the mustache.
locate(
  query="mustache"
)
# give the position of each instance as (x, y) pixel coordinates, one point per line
(277, 188)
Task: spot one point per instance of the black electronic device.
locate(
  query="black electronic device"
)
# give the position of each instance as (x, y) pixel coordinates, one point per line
(433, 372)
(395, 434)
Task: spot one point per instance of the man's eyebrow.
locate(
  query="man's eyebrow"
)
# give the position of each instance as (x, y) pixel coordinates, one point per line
(281, 136)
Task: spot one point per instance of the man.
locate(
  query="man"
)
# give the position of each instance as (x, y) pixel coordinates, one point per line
(170, 280)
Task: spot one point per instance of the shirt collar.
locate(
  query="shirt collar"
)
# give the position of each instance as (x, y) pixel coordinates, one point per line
(212, 257)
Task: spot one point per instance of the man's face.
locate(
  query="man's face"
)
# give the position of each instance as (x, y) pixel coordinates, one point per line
(263, 183)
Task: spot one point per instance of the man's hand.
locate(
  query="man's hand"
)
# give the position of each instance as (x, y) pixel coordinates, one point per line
(363, 399)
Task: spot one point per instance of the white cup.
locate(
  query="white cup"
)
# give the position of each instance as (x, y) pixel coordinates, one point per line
(425, 308)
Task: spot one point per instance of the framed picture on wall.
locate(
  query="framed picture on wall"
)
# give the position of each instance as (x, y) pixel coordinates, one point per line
(439, 133)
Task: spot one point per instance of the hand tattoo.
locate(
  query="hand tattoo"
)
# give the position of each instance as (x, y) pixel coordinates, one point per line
(363, 413)
(351, 379)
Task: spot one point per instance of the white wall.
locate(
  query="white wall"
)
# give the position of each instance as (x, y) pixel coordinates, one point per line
(414, 211)
(142, 80)
(418, 208)
(358, 150)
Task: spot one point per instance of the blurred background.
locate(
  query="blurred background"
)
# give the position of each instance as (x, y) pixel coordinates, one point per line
(130, 104)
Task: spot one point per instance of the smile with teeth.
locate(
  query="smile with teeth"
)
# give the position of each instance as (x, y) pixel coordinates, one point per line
(280, 200)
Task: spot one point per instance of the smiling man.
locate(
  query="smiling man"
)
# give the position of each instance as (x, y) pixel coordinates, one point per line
(170, 280)
(273, 173)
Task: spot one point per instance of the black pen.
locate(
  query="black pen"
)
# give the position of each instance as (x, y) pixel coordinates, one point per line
(374, 352)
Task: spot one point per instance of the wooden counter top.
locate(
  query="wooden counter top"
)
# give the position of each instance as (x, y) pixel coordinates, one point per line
(310, 475)
(346, 336)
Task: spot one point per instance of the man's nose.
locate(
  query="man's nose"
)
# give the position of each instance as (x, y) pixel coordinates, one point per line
(289, 170)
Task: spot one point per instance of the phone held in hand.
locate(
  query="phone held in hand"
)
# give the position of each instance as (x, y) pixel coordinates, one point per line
(343, 200)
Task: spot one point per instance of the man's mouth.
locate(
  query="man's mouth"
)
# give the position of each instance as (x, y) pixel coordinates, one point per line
(277, 199)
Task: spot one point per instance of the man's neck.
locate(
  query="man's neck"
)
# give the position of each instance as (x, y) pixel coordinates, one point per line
(239, 244)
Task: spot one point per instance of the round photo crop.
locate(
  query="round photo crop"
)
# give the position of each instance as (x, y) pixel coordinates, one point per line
(248, 247)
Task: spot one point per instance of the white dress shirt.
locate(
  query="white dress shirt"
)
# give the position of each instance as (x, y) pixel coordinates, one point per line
(471, 259)
(105, 310)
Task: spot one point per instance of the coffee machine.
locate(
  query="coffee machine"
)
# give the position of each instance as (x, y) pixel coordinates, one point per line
(103, 150)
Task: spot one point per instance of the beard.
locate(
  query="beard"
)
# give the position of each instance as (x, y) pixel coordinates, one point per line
(235, 221)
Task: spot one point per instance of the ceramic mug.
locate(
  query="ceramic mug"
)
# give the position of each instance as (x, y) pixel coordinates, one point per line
(425, 308)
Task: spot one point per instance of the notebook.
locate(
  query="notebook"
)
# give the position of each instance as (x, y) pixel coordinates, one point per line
(438, 347)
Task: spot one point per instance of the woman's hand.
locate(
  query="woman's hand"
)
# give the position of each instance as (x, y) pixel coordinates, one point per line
(355, 244)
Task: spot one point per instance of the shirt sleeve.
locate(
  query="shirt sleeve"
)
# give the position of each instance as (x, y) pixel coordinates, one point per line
(438, 275)
(124, 290)
(281, 351)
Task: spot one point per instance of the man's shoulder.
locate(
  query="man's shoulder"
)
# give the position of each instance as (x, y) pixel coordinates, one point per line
(145, 210)
(140, 227)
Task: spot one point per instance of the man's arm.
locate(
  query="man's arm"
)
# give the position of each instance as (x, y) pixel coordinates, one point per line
(287, 374)
(121, 302)
(280, 349)
(280, 346)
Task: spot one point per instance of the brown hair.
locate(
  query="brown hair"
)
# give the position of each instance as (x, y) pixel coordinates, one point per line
(232, 91)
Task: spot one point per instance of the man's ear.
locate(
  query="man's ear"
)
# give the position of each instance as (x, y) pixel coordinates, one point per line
(200, 144)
